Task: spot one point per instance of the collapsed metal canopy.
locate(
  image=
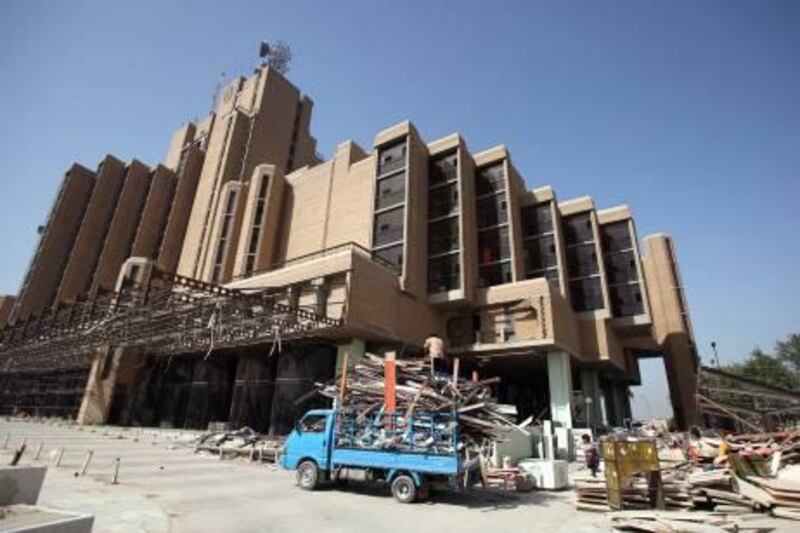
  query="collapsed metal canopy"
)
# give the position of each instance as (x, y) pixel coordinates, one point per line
(169, 314)
(755, 405)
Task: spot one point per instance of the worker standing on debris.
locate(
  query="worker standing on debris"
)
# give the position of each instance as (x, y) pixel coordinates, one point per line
(591, 454)
(434, 349)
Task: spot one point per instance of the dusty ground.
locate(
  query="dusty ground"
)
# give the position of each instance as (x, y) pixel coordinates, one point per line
(165, 486)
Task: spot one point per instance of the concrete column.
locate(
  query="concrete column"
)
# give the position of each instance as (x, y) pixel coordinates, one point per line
(590, 384)
(320, 296)
(559, 372)
(96, 402)
(355, 350)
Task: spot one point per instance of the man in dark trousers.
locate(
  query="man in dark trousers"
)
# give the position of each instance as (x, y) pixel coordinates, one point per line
(591, 454)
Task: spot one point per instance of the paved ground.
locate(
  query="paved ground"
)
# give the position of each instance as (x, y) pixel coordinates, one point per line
(165, 486)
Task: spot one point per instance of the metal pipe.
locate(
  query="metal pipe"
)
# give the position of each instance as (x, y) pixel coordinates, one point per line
(38, 450)
(59, 456)
(115, 475)
(86, 461)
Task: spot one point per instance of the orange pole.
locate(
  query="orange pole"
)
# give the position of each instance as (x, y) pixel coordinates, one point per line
(390, 381)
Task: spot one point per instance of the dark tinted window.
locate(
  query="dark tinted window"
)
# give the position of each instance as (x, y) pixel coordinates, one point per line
(388, 227)
(578, 228)
(586, 294)
(490, 179)
(537, 219)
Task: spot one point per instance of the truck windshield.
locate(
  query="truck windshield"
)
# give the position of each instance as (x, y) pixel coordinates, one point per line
(312, 424)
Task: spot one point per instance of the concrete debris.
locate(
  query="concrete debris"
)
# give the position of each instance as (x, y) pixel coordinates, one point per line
(241, 442)
(720, 477)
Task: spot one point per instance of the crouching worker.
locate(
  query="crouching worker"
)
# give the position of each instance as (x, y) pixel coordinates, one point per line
(591, 454)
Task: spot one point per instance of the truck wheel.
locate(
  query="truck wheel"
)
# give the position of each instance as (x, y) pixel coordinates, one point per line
(307, 475)
(403, 489)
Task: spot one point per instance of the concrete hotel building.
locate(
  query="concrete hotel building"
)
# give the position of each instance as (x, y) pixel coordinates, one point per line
(557, 297)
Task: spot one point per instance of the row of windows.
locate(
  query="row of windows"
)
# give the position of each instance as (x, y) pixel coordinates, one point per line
(444, 271)
(389, 225)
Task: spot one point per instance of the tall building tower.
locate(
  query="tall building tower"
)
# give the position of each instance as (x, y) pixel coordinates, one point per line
(261, 119)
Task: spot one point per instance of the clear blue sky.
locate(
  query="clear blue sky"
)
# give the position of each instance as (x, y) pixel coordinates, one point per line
(688, 111)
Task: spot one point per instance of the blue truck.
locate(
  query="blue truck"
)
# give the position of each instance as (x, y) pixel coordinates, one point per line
(410, 454)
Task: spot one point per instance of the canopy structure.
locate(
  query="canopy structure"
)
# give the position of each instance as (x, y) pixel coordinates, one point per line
(168, 314)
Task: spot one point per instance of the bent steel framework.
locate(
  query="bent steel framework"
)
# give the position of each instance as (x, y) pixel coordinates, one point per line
(169, 314)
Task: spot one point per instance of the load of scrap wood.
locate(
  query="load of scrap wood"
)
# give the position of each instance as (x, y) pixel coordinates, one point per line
(431, 409)
(757, 473)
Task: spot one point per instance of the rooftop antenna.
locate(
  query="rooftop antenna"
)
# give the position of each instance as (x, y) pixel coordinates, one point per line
(276, 55)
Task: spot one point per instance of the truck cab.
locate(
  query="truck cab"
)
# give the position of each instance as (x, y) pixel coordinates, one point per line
(310, 440)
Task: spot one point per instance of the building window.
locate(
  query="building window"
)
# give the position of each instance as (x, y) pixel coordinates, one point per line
(389, 227)
(258, 222)
(393, 256)
(540, 254)
(490, 179)
(224, 235)
(626, 300)
(616, 236)
(586, 294)
(443, 169)
(391, 191)
(621, 267)
(578, 229)
(537, 219)
(443, 201)
(494, 274)
(443, 236)
(492, 210)
(444, 274)
(582, 260)
(392, 158)
(493, 245)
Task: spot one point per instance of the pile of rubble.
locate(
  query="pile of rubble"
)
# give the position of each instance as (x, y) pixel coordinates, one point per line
(241, 442)
(726, 476)
(430, 408)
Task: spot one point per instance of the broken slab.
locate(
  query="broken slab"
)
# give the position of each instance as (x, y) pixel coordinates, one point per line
(38, 519)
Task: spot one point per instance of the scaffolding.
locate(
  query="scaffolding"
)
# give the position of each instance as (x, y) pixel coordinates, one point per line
(166, 315)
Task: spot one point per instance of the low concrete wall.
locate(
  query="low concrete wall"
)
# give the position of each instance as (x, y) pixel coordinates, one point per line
(21, 484)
